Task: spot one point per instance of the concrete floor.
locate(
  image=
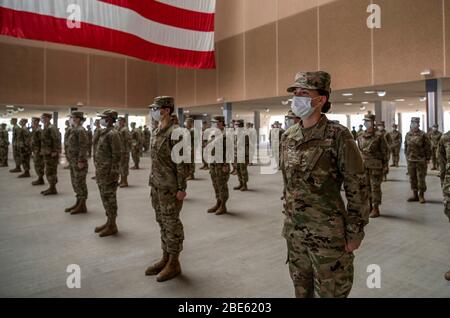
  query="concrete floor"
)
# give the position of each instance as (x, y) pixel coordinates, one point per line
(241, 254)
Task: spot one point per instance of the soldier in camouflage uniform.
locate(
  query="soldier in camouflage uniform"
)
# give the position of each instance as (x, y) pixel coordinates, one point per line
(418, 154)
(16, 153)
(381, 130)
(395, 138)
(136, 146)
(77, 155)
(38, 159)
(4, 145)
(90, 136)
(191, 166)
(95, 139)
(220, 171)
(241, 167)
(375, 153)
(317, 157)
(50, 149)
(146, 138)
(66, 138)
(107, 170)
(443, 153)
(434, 135)
(125, 141)
(24, 148)
(168, 190)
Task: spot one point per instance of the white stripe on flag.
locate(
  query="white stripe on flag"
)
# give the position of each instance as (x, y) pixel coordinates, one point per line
(120, 19)
(204, 6)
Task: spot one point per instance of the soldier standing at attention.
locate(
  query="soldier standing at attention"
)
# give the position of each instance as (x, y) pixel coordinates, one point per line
(418, 154)
(77, 155)
(444, 161)
(375, 154)
(434, 135)
(4, 145)
(220, 171)
(50, 149)
(168, 190)
(191, 166)
(125, 141)
(135, 146)
(24, 147)
(318, 156)
(382, 132)
(395, 138)
(16, 154)
(241, 167)
(354, 133)
(38, 159)
(107, 170)
(90, 136)
(95, 138)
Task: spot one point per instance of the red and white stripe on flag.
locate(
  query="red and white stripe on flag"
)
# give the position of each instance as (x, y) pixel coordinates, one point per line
(174, 32)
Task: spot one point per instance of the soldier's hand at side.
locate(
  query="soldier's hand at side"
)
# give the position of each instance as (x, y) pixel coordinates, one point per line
(81, 165)
(181, 195)
(351, 246)
(226, 169)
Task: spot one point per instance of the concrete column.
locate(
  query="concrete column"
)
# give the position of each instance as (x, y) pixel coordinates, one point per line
(55, 119)
(256, 125)
(399, 122)
(126, 118)
(385, 111)
(228, 113)
(349, 122)
(435, 112)
(180, 114)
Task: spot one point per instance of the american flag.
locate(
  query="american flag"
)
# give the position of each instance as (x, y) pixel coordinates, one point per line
(173, 32)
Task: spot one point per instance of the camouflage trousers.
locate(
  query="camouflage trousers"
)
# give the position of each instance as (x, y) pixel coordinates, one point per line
(89, 150)
(319, 271)
(434, 159)
(219, 180)
(167, 211)
(78, 179)
(190, 167)
(136, 155)
(38, 161)
(124, 164)
(4, 155)
(242, 172)
(25, 158)
(16, 155)
(109, 198)
(51, 168)
(417, 171)
(374, 178)
(395, 153)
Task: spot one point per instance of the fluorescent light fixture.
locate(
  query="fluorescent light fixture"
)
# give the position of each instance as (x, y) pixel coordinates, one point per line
(9, 106)
(365, 103)
(422, 99)
(348, 104)
(267, 110)
(369, 92)
(205, 115)
(220, 99)
(347, 94)
(381, 93)
(362, 108)
(400, 100)
(425, 73)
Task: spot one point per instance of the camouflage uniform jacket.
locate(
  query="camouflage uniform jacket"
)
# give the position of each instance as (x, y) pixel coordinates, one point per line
(36, 141)
(165, 174)
(107, 156)
(96, 138)
(15, 133)
(136, 140)
(50, 140)
(77, 145)
(315, 162)
(125, 139)
(24, 140)
(444, 162)
(3, 138)
(434, 136)
(385, 135)
(374, 150)
(417, 146)
(395, 139)
(90, 136)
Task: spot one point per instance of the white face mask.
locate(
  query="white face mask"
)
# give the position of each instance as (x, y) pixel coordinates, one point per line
(368, 124)
(301, 106)
(71, 122)
(380, 128)
(414, 126)
(213, 125)
(103, 122)
(156, 115)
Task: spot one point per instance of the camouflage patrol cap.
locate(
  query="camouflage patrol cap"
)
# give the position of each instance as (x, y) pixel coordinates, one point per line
(163, 101)
(277, 123)
(189, 119)
(290, 114)
(121, 118)
(240, 122)
(48, 115)
(109, 113)
(311, 80)
(3, 124)
(380, 123)
(77, 114)
(435, 126)
(369, 117)
(415, 119)
(24, 120)
(218, 118)
(35, 119)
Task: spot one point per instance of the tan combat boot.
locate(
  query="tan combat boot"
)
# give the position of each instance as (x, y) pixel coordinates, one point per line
(80, 208)
(422, 197)
(414, 198)
(244, 187)
(238, 187)
(171, 270)
(69, 209)
(156, 268)
(124, 182)
(447, 275)
(25, 174)
(222, 209)
(39, 181)
(110, 229)
(375, 212)
(51, 190)
(214, 208)
(100, 228)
